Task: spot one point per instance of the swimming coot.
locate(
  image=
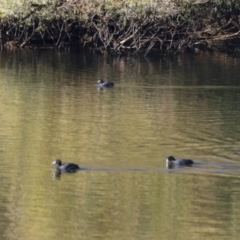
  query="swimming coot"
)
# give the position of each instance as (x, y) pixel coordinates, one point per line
(66, 167)
(180, 162)
(106, 84)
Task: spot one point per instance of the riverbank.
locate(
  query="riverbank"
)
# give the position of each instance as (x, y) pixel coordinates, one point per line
(122, 26)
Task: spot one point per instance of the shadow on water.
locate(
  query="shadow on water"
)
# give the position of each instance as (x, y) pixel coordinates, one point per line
(197, 168)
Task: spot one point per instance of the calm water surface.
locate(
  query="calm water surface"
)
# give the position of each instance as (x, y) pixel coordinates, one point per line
(185, 106)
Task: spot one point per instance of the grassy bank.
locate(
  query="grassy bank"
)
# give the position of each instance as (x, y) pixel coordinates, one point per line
(122, 26)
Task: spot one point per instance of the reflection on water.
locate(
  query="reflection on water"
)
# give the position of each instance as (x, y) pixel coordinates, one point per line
(51, 107)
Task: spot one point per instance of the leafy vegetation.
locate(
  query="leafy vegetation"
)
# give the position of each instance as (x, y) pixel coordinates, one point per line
(122, 26)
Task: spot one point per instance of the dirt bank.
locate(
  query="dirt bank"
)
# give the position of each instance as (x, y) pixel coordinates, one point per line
(124, 26)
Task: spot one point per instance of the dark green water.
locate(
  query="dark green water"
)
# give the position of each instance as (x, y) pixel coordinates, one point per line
(186, 106)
